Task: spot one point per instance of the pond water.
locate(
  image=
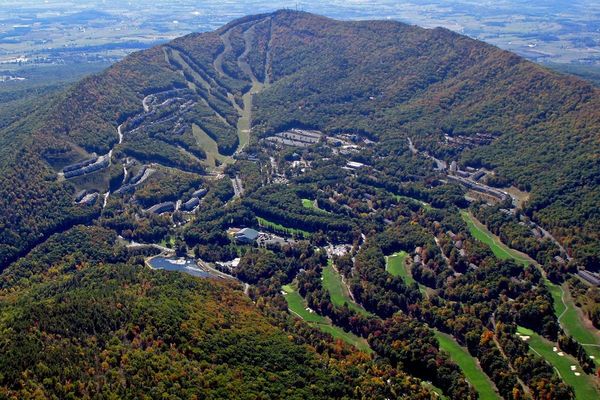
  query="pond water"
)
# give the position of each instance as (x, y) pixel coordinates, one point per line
(179, 264)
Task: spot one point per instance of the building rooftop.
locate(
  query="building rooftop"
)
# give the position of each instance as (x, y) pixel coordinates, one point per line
(247, 234)
(354, 164)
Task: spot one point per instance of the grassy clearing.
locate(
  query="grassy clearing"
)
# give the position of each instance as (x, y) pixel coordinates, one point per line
(423, 204)
(396, 265)
(298, 306)
(557, 295)
(243, 124)
(280, 228)
(312, 205)
(500, 250)
(469, 366)
(332, 282)
(210, 147)
(308, 203)
(571, 320)
(585, 386)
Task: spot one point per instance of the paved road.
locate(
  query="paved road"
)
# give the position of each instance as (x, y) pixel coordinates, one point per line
(501, 194)
(238, 189)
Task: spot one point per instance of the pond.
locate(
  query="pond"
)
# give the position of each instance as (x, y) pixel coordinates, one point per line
(178, 264)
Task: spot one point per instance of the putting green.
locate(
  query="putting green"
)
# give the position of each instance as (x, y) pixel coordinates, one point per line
(396, 265)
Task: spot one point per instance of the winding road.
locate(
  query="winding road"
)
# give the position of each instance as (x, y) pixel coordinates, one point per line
(472, 184)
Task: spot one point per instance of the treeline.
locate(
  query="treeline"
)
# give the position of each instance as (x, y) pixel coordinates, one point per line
(126, 221)
(377, 290)
(281, 205)
(62, 253)
(520, 237)
(96, 345)
(33, 205)
(416, 355)
(535, 371)
(571, 346)
(166, 185)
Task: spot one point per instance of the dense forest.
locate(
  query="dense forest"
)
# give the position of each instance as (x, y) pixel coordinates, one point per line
(326, 138)
(429, 83)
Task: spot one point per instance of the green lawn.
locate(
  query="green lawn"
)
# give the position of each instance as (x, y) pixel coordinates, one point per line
(332, 282)
(469, 366)
(396, 265)
(311, 205)
(280, 228)
(308, 203)
(298, 306)
(585, 386)
(500, 250)
(426, 206)
(569, 319)
(557, 293)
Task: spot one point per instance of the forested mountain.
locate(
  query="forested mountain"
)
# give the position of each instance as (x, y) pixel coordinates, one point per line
(386, 79)
(344, 145)
(392, 80)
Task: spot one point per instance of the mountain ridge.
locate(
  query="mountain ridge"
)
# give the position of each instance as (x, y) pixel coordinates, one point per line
(343, 143)
(88, 118)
